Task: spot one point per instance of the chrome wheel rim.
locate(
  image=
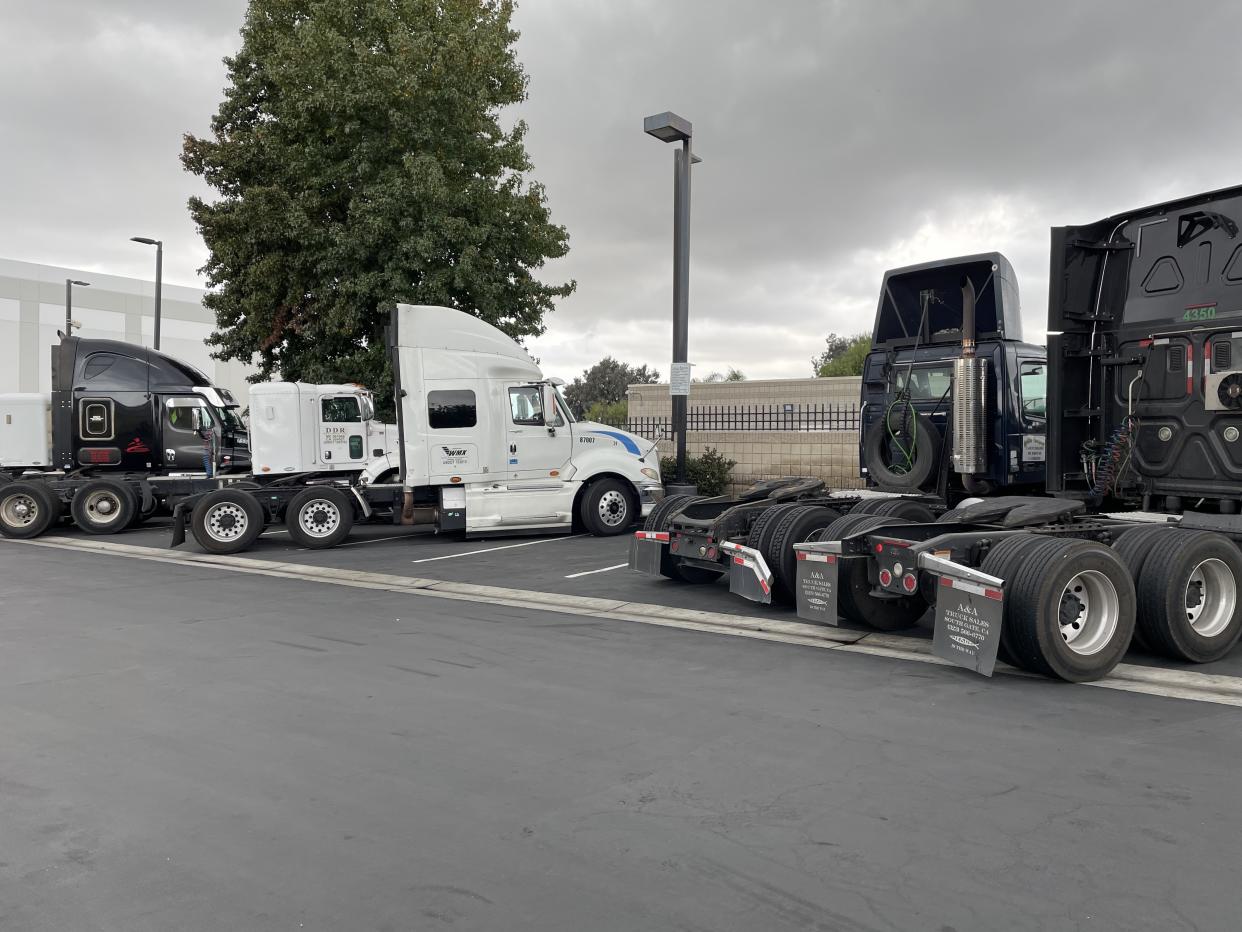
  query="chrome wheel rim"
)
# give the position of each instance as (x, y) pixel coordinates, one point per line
(226, 522)
(20, 510)
(1090, 609)
(103, 507)
(613, 508)
(1211, 597)
(319, 518)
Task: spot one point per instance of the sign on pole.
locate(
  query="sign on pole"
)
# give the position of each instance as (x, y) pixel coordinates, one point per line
(679, 380)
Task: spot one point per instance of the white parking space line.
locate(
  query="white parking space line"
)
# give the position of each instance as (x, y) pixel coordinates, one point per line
(281, 531)
(606, 569)
(471, 553)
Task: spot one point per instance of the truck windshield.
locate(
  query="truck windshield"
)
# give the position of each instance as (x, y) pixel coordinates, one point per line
(565, 412)
(927, 383)
(230, 417)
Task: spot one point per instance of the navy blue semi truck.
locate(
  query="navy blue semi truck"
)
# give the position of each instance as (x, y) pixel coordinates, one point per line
(1134, 537)
(938, 325)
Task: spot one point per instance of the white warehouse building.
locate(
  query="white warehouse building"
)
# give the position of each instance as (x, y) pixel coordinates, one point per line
(32, 310)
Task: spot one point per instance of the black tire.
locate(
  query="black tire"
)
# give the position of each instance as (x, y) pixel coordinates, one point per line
(27, 509)
(1207, 630)
(658, 517)
(854, 598)
(1133, 546)
(926, 456)
(905, 509)
(226, 521)
(320, 517)
(865, 506)
(608, 507)
(1002, 561)
(1052, 579)
(760, 532)
(794, 527)
(104, 506)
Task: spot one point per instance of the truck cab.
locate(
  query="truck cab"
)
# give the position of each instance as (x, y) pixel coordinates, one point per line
(488, 437)
(301, 428)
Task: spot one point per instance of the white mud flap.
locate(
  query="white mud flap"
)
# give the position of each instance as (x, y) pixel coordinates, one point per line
(969, 613)
(646, 551)
(749, 575)
(816, 588)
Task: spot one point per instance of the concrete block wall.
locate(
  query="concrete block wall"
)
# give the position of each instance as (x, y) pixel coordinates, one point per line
(653, 400)
(828, 455)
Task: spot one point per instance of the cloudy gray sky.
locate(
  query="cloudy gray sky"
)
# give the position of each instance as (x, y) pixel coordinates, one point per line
(839, 139)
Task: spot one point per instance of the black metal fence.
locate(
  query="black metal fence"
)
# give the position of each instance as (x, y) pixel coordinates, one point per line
(720, 418)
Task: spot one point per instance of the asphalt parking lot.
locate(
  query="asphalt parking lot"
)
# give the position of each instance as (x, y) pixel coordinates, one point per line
(190, 747)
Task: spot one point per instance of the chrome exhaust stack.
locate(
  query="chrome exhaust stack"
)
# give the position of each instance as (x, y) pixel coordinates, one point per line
(970, 379)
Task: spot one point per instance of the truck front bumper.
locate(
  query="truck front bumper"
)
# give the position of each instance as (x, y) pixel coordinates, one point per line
(648, 496)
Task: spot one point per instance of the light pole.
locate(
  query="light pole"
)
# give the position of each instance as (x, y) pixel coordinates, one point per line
(159, 277)
(669, 127)
(69, 283)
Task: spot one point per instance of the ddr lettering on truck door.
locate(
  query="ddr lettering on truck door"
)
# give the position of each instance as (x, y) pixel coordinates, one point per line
(968, 624)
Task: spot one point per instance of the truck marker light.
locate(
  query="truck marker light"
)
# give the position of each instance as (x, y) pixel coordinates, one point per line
(879, 548)
(909, 583)
(886, 578)
(554, 472)
(455, 479)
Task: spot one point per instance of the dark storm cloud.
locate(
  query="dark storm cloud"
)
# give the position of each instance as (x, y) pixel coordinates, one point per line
(838, 139)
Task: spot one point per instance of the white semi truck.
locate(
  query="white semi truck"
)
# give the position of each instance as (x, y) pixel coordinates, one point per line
(485, 447)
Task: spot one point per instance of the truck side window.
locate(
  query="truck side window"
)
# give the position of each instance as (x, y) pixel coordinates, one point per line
(526, 406)
(179, 417)
(451, 409)
(1034, 379)
(341, 410)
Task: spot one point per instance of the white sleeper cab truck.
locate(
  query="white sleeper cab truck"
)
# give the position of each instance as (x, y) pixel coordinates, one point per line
(490, 445)
(296, 428)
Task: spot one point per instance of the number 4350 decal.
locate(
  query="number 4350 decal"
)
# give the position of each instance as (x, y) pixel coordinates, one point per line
(1200, 312)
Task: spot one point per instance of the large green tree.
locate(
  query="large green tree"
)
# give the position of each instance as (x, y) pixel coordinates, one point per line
(604, 384)
(360, 161)
(843, 355)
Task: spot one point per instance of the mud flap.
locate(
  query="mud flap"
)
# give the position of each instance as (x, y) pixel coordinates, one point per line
(817, 586)
(646, 552)
(749, 575)
(968, 624)
(178, 525)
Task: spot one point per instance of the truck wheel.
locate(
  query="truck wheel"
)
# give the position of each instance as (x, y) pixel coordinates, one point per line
(1001, 562)
(227, 521)
(795, 527)
(1188, 595)
(1069, 608)
(904, 509)
(103, 506)
(1133, 546)
(319, 518)
(880, 456)
(760, 532)
(663, 509)
(854, 598)
(607, 507)
(27, 509)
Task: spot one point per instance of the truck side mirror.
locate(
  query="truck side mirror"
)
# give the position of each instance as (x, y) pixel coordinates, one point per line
(551, 413)
(198, 418)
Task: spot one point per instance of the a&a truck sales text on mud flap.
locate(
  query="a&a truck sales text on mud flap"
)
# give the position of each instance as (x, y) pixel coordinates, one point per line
(749, 575)
(647, 551)
(970, 609)
(816, 585)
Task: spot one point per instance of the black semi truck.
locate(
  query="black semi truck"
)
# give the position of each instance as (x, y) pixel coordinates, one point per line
(1135, 537)
(923, 446)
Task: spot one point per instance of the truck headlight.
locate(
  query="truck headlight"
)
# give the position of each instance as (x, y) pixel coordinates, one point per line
(650, 473)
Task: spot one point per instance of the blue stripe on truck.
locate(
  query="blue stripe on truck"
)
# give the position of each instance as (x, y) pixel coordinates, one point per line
(626, 442)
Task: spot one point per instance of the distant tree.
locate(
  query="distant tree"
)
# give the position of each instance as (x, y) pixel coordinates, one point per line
(360, 160)
(605, 382)
(733, 375)
(609, 412)
(842, 356)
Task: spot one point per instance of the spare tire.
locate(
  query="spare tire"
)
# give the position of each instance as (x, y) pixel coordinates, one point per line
(881, 458)
(905, 509)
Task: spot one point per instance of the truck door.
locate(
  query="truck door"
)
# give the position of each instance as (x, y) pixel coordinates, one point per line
(342, 432)
(539, 442)
(184, 449)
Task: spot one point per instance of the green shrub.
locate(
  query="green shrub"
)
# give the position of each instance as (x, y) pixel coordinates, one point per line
(711, 471)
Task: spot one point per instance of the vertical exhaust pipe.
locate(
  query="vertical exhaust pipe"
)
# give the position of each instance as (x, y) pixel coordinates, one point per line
(970, 378)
